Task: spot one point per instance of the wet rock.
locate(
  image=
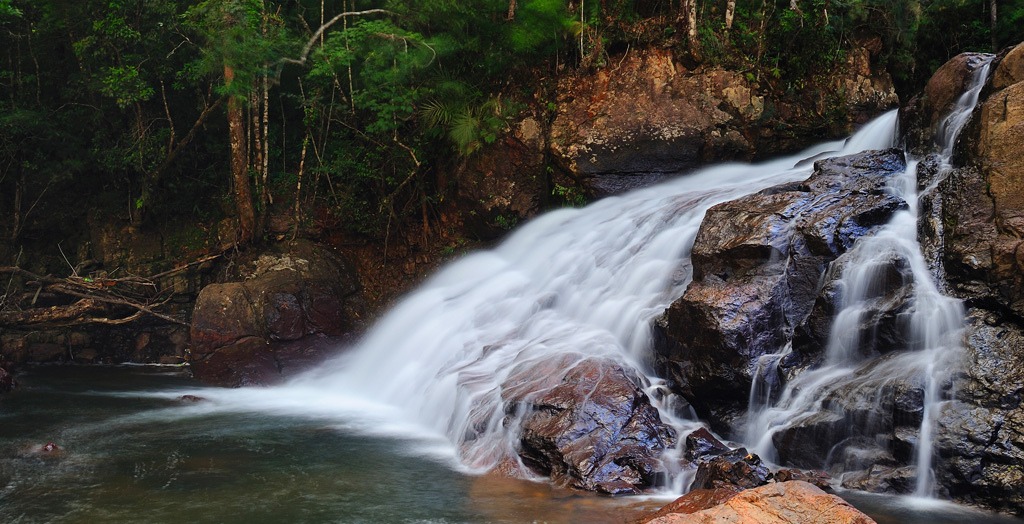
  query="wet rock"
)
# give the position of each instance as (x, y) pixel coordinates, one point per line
(191, 398)
(758, 265)
(242, 332)
(871, 416)
(701, 445)
(880, 325)
(592, 429)
(7, 382)
(883, 479)
(735, 468)
(792, 502)
(980, 436)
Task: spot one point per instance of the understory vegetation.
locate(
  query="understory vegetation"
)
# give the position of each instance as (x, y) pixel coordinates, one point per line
(352, 114)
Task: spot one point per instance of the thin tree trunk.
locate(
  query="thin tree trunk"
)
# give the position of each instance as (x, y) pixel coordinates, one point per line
(730, 12)
(690, 6)
(993, 19)
(511, 10)
(239, 163)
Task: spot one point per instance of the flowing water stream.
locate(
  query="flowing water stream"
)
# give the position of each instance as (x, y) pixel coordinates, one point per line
(931, 323)
(424, 384)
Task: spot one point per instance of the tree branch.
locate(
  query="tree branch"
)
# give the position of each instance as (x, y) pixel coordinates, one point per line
(301, 60)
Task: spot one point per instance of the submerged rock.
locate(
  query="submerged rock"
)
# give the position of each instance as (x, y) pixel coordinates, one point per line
(758, 266)
(793, 502)
(592, 428)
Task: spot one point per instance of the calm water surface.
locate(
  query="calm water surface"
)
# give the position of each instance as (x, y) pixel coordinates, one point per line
(128, 457)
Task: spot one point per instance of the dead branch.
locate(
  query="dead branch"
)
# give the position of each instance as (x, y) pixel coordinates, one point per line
(301, 60)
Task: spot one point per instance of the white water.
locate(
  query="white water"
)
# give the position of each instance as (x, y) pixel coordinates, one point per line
(573, 284)
(932, 326)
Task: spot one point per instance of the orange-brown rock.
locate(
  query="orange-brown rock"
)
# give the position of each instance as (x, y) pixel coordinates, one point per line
(793, 502)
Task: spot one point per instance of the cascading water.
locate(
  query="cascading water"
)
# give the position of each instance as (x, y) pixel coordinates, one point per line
(582, 283)
(930, 322)
(574, 283)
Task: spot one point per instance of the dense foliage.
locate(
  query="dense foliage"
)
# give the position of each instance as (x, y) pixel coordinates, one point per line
(142, 108)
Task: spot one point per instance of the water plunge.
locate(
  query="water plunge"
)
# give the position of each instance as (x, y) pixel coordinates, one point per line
(579, 284)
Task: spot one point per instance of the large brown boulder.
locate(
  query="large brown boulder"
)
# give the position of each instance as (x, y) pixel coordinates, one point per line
(587, 424)
(921, 116)
(793, 502)
(758, 266)
(286, 308)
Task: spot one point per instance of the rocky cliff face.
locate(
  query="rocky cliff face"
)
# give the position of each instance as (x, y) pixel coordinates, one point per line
(647, 116)
(978, 234)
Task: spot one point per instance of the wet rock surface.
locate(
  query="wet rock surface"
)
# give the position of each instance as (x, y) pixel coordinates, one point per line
(593, 428)
(7, 382)
(286, 308)
(776, 503)
(980, 435)
(758, 266)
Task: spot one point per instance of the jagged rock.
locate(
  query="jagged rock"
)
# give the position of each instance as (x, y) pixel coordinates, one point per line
(287, 303)
(980, 437)
(758, 264)
(882, 321)
(793, 502)
(734, 468)
(592, 428)
(702, 445)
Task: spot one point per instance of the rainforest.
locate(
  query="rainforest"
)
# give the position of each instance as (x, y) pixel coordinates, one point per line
(511, 261)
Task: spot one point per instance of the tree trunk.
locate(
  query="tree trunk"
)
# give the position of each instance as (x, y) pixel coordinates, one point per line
(239, 163)
(511, 10)
(993, 19)
(730, 12)
(690, 6)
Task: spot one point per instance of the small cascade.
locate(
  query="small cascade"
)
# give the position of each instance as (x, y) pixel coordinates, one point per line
(865, 374)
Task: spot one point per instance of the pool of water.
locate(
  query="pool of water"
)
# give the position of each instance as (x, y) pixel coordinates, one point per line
(127, 456)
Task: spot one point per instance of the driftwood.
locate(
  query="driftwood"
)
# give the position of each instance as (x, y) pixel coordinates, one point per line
(92, 300)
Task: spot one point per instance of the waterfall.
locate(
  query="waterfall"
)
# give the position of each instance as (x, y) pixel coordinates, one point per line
(582, 283)
(930, 322)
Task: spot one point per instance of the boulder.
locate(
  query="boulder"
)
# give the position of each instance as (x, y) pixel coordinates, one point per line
(793, 502)
(758, 268)
(734, 468)
(591, 428)
(290, 302)
(701, 446)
